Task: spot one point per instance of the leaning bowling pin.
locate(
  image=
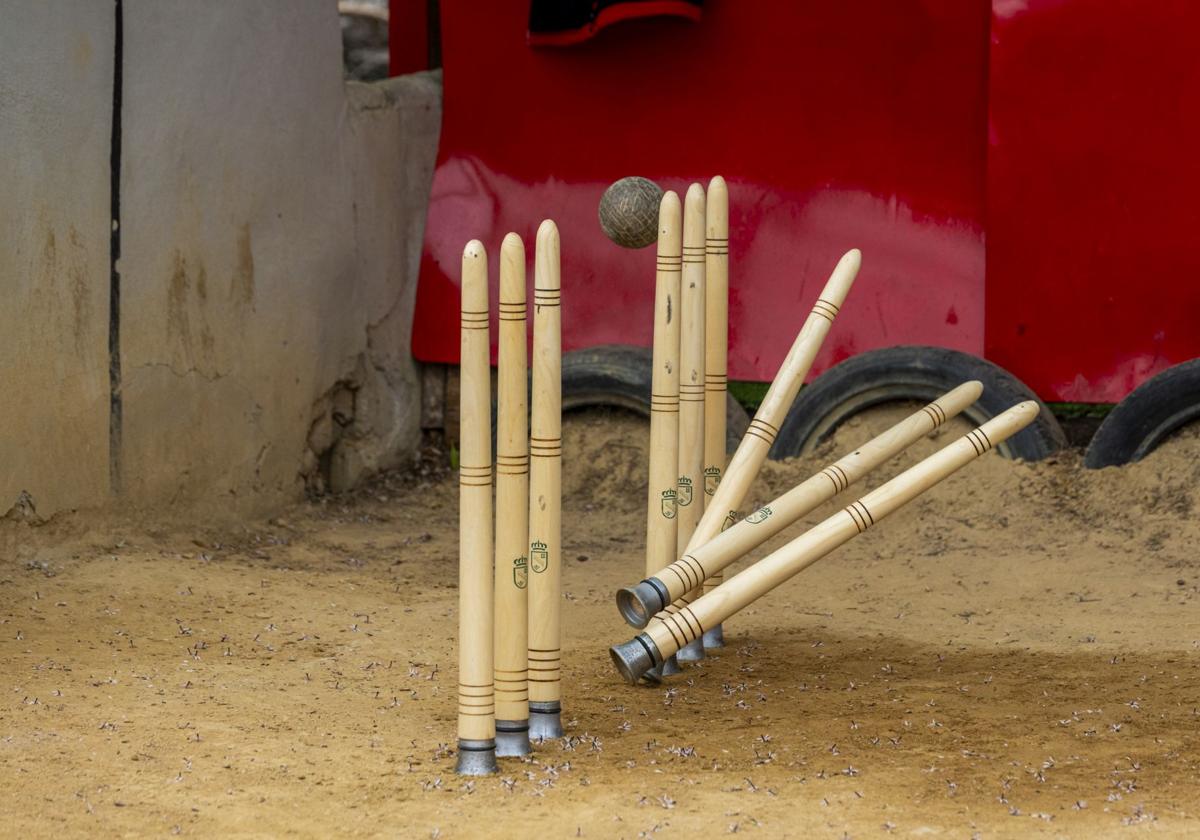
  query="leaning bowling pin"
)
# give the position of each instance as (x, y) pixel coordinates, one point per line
(666, 632)
(752, 451)
(476, 700)
(689, 496)
(545, 494)
(512, 508)
(721, 510)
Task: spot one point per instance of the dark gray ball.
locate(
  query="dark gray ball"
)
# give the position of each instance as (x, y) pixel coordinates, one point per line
(629, 212)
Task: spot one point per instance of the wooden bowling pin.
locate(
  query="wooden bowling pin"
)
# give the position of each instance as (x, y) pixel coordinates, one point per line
(756, 443)
(752, 451)
(716, 352)
(664, 396)
(512, 508)
(476, 699)
(666, 632)
(639, 603)
(664, 391)
(545, 494)
(689, 497)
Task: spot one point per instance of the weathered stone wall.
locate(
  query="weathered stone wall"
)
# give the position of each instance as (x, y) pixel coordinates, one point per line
(270, 221)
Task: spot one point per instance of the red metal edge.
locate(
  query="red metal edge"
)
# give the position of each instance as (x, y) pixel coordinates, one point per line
(615, 14)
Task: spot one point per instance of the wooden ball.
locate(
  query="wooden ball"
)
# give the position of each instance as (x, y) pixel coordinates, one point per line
(629, 212)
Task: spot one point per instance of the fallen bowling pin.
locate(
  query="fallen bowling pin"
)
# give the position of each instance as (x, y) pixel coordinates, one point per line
(667, 632)
(660, 591)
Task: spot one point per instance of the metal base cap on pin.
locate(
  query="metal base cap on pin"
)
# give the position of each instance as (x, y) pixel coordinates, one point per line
(691, 652)
(512, 738)
(476, 757)
(668, 669)
(714, 638)
(637, 658)
(545, 720)
(639, 602)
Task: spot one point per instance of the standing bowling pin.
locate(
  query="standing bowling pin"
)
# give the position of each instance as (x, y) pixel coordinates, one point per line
(716, 352)
(476, 700)
(664, 396)
(690, 491)
(545, 494)
(512, 508)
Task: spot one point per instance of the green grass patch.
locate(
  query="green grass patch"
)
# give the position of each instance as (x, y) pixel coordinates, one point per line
(749, 394)
(1072, 410)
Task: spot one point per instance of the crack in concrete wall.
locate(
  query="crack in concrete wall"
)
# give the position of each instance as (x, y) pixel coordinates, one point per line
(272, 219)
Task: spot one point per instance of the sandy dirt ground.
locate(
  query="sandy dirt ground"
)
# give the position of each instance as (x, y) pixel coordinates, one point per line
(1013, 655)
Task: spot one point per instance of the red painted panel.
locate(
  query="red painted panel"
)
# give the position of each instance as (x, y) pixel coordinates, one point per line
(837, 124)
(1093, 181)
(408, 36)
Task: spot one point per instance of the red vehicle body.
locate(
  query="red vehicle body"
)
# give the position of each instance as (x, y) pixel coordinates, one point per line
(1021, 175)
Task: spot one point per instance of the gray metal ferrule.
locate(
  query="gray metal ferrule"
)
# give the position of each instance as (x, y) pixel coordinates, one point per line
(638, 603)
(545, 720)
(693, 651)
(636, 658)
(476, 757)
(512, 738)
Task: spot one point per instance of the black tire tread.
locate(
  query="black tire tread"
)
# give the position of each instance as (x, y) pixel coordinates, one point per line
(912, 372)
(1150, 413)
(619, 375)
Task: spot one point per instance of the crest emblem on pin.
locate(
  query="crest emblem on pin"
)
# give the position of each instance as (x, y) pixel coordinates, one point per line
(539, 557)
(685, 491)
(668, 504)
(760, 515)
(712, 477)
(730, 518)
(520, 572)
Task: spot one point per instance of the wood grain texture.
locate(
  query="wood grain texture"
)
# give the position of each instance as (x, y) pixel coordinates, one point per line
(664, 390)
(716, 340)
(752, 451)
(476, 697)
(690, 490)
(512, 490)
(545, 474)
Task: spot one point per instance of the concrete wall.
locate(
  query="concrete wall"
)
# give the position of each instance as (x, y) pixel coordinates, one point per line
(271, 219)
(56, 68)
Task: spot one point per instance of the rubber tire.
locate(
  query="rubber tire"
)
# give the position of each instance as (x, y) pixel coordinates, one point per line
(619, 375)
(912, 373)
(1142, 420)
